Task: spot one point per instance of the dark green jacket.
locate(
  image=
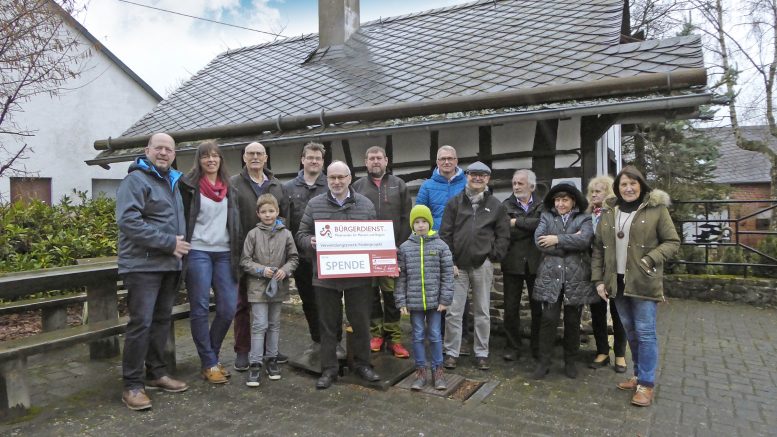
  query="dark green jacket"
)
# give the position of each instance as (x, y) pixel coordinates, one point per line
(391, 201)
(652, 236)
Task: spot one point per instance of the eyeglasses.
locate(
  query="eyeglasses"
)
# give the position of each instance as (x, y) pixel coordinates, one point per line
(478, 175)
(447, 159)
(337, 177)
(313, 159)
(256, 154)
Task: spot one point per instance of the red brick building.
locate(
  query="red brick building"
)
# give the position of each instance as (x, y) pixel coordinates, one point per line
(748, 175)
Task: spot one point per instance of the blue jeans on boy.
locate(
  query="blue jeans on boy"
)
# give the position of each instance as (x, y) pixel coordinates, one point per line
(639, 321)
(427, 324)
(206, 269)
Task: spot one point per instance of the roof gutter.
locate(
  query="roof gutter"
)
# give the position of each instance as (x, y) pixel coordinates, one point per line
(671, 103)
(654, 82)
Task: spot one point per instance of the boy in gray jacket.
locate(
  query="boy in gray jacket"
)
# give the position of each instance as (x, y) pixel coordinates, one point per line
(424, 290)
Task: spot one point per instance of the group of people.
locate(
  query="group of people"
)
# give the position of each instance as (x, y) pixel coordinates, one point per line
(244, 236)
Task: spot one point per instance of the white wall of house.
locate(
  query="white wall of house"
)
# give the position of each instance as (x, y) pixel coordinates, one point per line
(101, 103)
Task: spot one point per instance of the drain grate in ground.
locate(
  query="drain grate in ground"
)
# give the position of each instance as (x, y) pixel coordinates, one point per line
(459, 388)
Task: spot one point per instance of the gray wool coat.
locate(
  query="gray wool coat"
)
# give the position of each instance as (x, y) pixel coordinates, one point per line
(424, 291)
(568, 264)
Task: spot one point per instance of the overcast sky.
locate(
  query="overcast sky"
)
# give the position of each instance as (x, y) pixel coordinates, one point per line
(166, 49)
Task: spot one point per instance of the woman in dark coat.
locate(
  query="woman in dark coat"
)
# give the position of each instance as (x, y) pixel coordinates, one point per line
(564, 277)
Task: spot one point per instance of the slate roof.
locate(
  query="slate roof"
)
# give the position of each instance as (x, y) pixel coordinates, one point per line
(480, 47)
(737, 166)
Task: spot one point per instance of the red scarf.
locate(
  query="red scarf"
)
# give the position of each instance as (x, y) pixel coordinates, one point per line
(215, 192)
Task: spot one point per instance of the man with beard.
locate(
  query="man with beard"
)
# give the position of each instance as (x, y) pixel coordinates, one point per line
(389, 195)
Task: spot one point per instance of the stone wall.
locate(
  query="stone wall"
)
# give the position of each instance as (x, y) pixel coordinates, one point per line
(753, 291)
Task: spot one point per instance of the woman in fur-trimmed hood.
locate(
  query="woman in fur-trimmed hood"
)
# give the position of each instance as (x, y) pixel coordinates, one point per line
(635, 238)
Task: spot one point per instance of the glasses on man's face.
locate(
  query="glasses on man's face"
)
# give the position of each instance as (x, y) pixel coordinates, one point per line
(314, 158)
(255, 154)
(447, 159)
(478, 175)
(337, 177)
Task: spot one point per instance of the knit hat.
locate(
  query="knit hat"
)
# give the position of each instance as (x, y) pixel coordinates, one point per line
(421, 211)
(478, 167)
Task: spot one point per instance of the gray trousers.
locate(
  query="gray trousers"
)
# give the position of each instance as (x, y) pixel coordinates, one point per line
(481, 280)
(265, 322)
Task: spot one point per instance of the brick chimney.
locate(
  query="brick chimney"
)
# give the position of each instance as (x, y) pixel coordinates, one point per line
(337, 21)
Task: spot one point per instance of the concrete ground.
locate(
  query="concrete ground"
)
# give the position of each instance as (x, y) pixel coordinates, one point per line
(718, 376)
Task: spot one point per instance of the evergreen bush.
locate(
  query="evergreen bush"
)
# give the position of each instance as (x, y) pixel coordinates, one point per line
(34, 235)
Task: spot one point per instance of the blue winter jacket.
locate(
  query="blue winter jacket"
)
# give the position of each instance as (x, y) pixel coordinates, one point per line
(437, 190)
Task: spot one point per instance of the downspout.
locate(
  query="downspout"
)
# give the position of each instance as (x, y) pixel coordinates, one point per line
(646, 83)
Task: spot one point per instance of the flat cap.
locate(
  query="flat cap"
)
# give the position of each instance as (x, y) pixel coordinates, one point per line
(478, 167)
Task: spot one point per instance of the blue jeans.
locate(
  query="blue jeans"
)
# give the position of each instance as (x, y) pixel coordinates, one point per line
(426, 324)
(150, 297)
(639, 321)
(206, 270)
(265, 330)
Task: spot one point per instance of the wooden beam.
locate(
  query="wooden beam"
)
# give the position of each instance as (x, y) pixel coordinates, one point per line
(484, 145)
(545, 136)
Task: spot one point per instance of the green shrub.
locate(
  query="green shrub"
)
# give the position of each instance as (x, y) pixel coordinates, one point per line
(768, 246)
(35, 235)
(732, 255)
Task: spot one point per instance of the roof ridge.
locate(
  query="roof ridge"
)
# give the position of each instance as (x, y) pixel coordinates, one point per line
(381, 21)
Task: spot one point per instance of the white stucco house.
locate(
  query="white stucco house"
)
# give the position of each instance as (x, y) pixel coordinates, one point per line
(101, 103)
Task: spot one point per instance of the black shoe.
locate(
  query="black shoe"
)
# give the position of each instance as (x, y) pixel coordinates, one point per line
(366, 373)
(619, 368)
(326, 380)
(599, 364)
(570, 369)
(254, 378)
(483, 363)
(281, 358)
(241, 362)
(449, 362)
(273, 372)
(541, 371)
(512, 355)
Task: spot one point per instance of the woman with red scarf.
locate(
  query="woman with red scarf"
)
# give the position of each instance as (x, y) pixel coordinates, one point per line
(213, 229)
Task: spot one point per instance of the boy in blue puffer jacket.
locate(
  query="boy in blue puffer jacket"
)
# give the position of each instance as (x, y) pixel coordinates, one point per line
(424, 290)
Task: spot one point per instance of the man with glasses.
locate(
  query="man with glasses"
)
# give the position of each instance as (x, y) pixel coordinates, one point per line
(392, 202)
(447, 181)
(476, 227)
(253, 181)
(149, 212)
(339, 203)
(309, 183)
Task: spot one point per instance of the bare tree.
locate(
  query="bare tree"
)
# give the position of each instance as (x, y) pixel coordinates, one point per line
(762, 57)
(38, 54)
(651, 19)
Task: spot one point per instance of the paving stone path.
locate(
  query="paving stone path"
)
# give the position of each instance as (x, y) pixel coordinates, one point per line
(718, 376)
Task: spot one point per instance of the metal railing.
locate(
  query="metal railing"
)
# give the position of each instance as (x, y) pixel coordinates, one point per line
(714, 226)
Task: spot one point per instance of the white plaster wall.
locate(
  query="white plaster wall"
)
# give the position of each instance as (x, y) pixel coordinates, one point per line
(568, 139)
(103, 102)
(513, 137)
(463, 139)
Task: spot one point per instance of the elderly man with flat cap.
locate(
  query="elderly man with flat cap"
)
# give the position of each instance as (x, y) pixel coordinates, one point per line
(476, 227)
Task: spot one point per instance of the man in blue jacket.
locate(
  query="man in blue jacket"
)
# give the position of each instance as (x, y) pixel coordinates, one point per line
(447, 181)
(150, 215)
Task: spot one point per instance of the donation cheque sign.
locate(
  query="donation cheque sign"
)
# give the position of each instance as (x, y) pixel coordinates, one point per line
(353, 248)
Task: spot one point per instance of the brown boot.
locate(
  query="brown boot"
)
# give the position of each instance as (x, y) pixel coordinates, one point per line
(214, 375)
(168, 384)
(643, 397)
(136, 399)
(629, 384)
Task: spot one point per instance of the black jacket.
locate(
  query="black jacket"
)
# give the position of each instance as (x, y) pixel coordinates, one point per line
(299, 194)
(523, 257)
(391, 201)
(472, 236)
(246, 200)
(190, 193)
(325, 207)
